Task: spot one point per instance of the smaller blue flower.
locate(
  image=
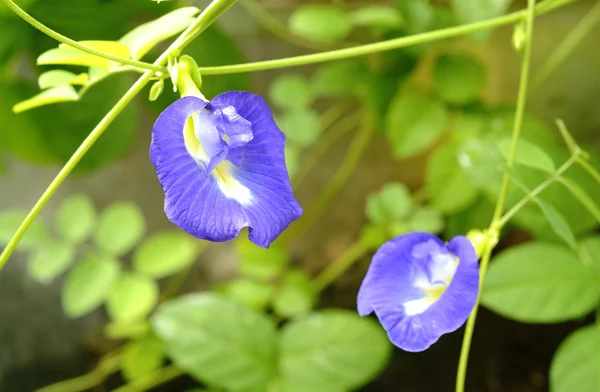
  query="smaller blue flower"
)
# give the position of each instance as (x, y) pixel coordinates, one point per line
(221, 165)
(420, 288)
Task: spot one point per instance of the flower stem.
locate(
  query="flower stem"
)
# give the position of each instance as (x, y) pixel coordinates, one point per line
(209, 15)
(494, 225)
(109, 364)
(371, 48)
(566, 46)
(336, 268)
(68, 41)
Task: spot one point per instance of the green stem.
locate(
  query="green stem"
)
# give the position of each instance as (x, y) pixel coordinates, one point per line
(209, 15)
(68, 41)
(325, 142)
(520, 112)
(536, 191)
(159, 377)
(275, 27)
(336, 268)
(340, 177)
(567, 45)
(370, 48)
(109, 364)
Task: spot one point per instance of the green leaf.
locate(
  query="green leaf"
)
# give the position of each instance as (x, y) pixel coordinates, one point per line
(144, 37)
(480, 160)
(68, 55)
(292, 160)
(339, 78)
(256, 262)
(142, 357)
(417, 14)
(65, 93)
(37, 236)
(218, 341)
(302, 127)
(471, 11)
(251, 293)
(291, 91)
(50, 261)
(88, 284)
(458, 78)
(580, 194)
(589, 252)
(575, 363)
(414, 122)
(166, 253)
(57, 77)
(392, 202)
(295, 296)
(373, 236)
(540, 283)
(76, 218)
(377, 16)
(427, 220)
(448, 187)
(527, 154)
(134, 330)
(320, 22)
(120, 227)
(132, 298)
(332, 351)
(558, 224)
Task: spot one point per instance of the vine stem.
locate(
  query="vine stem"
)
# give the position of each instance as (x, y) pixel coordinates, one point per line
(566, 46)
(374, 47)
(495, 224)
(68, 41)
(207, 17)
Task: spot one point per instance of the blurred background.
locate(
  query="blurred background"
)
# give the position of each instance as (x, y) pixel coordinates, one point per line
(40, 345)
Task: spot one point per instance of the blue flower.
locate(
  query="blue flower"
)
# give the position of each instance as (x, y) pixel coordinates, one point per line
(222, 168)
(420, 288)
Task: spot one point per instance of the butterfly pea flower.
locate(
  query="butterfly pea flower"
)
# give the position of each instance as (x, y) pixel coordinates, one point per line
(222, 168)
(420, 288)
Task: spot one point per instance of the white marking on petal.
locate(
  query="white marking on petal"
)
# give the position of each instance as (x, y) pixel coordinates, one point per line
(229, 186)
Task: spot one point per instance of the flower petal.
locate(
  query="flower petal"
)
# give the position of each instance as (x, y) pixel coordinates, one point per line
(250, 188)
(392, 289)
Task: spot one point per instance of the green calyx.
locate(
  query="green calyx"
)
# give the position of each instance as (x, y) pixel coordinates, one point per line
(186, 78)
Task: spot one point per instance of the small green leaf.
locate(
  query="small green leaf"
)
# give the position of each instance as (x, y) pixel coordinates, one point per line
(253, 294)
(527, 154)
(291, 91)
(417, 14)
(68, 55)
(144, 37)
(471, 11)
(426, 219)
(295, 296)
(377, 16)
(339, 78)
(260, 263)
(76, 218)
(558, 224)
(165, 254)
(540, 283)
(218, 341)
(57, 77)
(575, 363)
(580, 194)
(332, 351)
(134, 330)
(142, 357)
(120, 227)
(589, 252)
(448, 187)
(132, 298)
(414, 122)
(50, 261)
(37, 236)
(458, 78)
(302, 127)
(65, 93)
(88, 285)
(320, 22)
(392, 202)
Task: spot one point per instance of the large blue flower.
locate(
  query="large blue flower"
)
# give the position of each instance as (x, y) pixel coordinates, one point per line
(420, 288)
(222, 168)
